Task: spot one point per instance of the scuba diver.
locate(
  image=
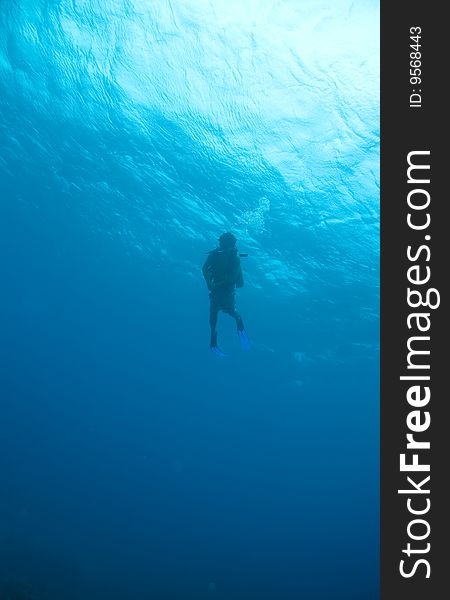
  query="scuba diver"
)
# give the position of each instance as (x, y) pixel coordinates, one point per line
(223, 274)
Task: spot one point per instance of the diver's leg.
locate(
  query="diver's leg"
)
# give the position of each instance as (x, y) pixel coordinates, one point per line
(239, 321)
(230, 309)
(237, 317)
(244, 340)
(214, 311)
(213, 314)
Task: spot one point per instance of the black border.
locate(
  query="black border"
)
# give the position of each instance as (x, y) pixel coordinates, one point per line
(404, 129)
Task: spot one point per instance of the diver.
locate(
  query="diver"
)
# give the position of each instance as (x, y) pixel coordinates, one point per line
(223, 274)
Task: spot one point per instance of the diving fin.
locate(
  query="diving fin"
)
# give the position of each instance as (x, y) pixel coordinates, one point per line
(218, 352)
(244, 339)
(215, 348)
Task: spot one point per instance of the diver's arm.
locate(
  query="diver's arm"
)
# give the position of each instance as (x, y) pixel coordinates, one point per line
(239, 278)
(206, 270)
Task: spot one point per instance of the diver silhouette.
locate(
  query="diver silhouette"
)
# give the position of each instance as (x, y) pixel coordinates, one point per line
(223, 274)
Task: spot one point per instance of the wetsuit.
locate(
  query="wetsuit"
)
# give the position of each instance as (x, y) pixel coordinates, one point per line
(222, 272)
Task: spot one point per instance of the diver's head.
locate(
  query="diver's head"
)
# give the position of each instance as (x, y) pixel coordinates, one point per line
(227, 241)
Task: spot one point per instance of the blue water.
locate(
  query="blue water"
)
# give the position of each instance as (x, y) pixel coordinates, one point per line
(133, 463)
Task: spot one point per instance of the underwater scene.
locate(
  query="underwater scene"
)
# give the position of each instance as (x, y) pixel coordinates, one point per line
(136, 463)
